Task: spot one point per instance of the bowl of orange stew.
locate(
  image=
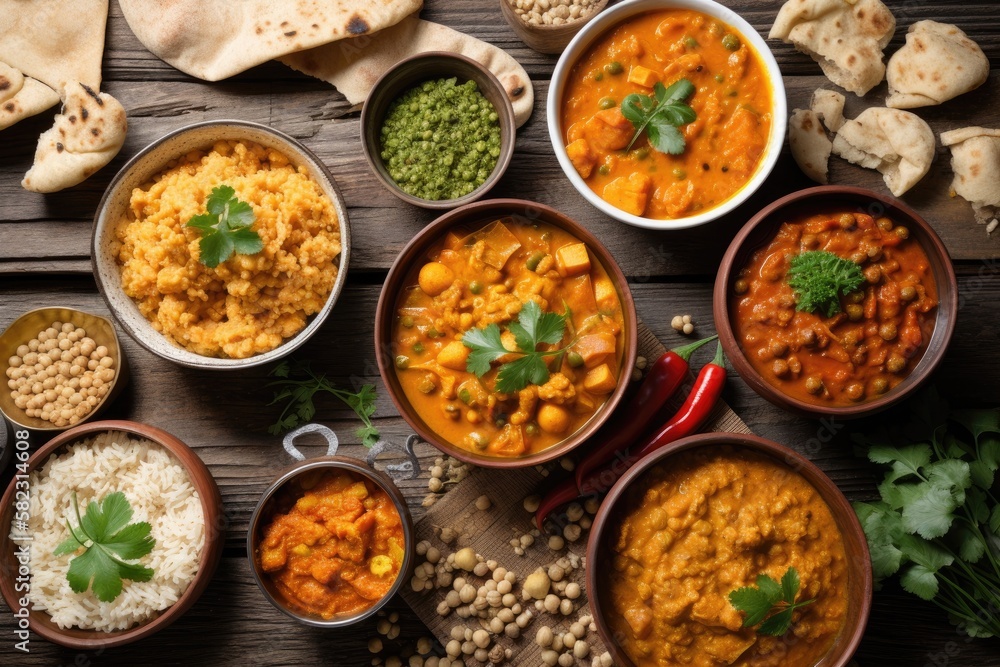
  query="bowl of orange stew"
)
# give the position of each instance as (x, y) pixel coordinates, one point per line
(706, 516)
(667, 114)
(836, 301)
(506, 333)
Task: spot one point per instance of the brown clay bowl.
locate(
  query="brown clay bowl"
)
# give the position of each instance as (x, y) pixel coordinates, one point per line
(760, 230)
(417, 69)
(550, 39)
(211, 553)
(481, 213)
(858, 559)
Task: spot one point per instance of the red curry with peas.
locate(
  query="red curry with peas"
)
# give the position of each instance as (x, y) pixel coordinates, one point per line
(858, 353)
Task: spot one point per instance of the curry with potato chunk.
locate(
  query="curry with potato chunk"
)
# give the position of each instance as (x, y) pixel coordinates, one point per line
(509, 338)
(685, 160)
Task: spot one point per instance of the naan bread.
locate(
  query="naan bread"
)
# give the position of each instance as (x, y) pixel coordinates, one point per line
(215, 39)
(354, 66)
(975, 159)
(845, 38)
(22, 96)
(897, 143)
(86, 136)
(938, 62)
(829, 104)
(809, 144)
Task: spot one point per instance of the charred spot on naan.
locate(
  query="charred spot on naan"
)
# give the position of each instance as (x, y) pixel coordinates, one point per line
(357, 25)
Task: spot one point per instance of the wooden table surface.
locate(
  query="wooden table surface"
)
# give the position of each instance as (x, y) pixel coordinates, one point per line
(45, 260)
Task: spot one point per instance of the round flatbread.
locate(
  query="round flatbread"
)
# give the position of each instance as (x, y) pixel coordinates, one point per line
(938, 62)
(975, 159)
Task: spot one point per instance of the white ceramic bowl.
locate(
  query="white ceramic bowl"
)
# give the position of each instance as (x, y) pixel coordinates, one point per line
(151, 160)
(597, 29)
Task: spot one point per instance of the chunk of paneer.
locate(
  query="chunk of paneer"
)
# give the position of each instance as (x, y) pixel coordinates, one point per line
(595, 348)
(687, 63)
(643, 76)
(572, 259)
(608, 130)
(629, 193)
(747, 144)
(673, 200)
(454, 355)
(605, 294)
(600, 380)
(582, 157)
(640, 619)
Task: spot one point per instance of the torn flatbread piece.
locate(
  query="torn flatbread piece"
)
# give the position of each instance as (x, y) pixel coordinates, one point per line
(845, 38)
(975, 159)
(809, 144)
(86, 135)
(829, 105)
(215, 39)
(21, 96)
(897, 143)
(939, 62)
(354, 66)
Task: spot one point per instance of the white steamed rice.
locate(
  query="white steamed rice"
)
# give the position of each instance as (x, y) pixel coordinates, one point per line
(160, 492)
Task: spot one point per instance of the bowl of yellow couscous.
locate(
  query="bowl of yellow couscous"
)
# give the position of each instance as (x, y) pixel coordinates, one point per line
(222, 245)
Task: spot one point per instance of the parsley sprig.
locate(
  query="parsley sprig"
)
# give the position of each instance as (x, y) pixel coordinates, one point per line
(661, 115)
(298, 385)
(758, 602)
(109, 540)
(533, 328)
(225, 229)
(819, 278)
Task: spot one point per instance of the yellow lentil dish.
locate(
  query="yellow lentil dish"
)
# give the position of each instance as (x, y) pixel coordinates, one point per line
(474, 278)
(248, 304)
(724, 145)
(703, 523)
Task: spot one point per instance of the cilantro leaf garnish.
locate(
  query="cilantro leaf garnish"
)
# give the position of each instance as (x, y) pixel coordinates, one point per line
(819, 278)
(112, 541)
(769, 596)
(225, 229)
(533, 328)
(661, 115)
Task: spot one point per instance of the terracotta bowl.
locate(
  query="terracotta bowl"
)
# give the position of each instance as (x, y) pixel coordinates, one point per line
(417, 69)
(153, 159)
(859, 587)
(28, 326)
(483, 212)
(760, 230)
(550, 39)
(211, 552)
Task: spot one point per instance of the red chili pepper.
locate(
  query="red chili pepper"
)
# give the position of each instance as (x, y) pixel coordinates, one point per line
(697, 407)
(662, 381)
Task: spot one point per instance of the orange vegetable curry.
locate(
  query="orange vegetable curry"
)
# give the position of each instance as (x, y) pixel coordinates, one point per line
(474, 278)
(336, 545)
(702, 524)
(724, 144)
(864, 350)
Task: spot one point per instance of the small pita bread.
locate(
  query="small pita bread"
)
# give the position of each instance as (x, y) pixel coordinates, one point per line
(938, 62)
(897, 143)
(353, 66)
(829, 104)
(86, 136)
(809, 144)
(845, 38)
(186, 34)
(975, 159)
(22, 96)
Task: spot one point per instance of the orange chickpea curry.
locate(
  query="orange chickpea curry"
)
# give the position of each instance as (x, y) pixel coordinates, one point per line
(336, 547)
(702, 524)
(728, 91)
(509, 338)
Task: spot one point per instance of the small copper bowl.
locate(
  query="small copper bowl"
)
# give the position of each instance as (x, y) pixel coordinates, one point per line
(761, 229)
(211, 552)
(417, 69)
(858, 558)
(481, 213)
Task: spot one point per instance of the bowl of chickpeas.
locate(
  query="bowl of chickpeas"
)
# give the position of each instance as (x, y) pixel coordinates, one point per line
(63, 367)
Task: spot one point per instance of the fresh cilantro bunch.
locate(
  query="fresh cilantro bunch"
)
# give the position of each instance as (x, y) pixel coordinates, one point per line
(661, 115)
(819, 278)
(533, 328)
(758, 602)
(298, 386)
(225, 229)
(938, 521)
(109, 540)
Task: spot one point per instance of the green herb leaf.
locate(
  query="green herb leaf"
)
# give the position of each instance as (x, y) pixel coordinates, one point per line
(225, 229)
(882, 527)
(769, 604)
(518, 374)
(819, 278)
(660, 116)
(486, 347)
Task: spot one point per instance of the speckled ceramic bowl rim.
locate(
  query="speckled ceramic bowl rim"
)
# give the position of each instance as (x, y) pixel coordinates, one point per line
(152, 159)
(596, 29)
